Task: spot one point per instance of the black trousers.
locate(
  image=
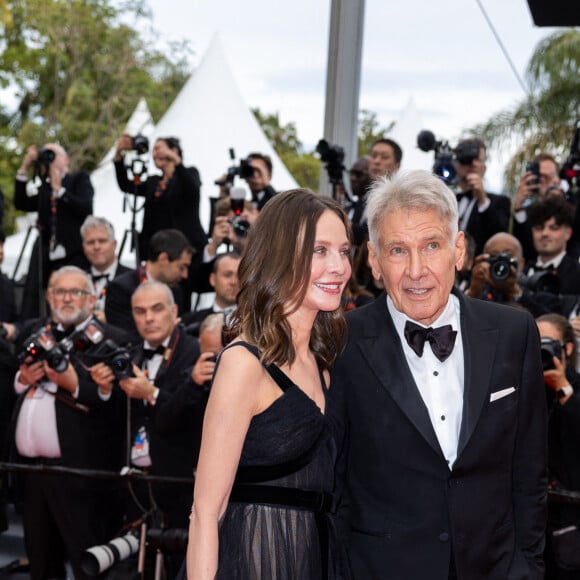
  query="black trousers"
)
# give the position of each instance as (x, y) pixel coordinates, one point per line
(59, 523)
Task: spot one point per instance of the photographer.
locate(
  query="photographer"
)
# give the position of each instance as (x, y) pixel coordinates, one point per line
(385, 158)
(259, 181)
(539, 181)
(496, 277)
(171, 199)
(481, 214)
(563, 395)
(63, 200)
(166, 404)
(62, 420)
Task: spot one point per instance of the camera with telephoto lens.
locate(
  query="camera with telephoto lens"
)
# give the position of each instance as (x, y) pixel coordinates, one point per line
(501, 266)
(244, 170)
(550, 348)
(140, 144)
(90, 345)
(444, 165)
(42, 345)
(95, 560)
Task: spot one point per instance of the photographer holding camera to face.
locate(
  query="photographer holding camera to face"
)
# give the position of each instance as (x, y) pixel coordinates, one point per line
(171, 199)
(563, 395)
(63, 199)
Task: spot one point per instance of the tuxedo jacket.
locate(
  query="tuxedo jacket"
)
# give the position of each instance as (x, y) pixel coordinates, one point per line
(177, 206)
(568, 272)
(75, 205)
(406, 511)
(482, 225)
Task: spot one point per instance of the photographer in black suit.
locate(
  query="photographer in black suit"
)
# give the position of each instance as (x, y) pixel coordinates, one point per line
(171, 199)
(259, 181)
(563, 395)
(62, 419)
(63, 200)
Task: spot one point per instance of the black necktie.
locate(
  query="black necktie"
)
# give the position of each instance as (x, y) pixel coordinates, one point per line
(442, 339)
(97, 277)
(149, 353)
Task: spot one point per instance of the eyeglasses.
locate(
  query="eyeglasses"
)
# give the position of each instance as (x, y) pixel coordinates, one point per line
(72, 292)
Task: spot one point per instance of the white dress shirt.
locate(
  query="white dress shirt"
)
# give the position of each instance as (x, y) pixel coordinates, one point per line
(440, 384)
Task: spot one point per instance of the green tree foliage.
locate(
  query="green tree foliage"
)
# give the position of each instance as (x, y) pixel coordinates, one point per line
(544, 119)
(77, 70)
(369, 131)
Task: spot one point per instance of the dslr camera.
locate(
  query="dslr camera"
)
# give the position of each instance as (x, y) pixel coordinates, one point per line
(42, 345)
(444, 165)
(243, 170)
(501, 266)
(90, 345)
(140, 144)
(550, 348)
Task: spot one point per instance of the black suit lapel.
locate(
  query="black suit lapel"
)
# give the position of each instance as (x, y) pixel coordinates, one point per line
(479, 346)
(382, 349)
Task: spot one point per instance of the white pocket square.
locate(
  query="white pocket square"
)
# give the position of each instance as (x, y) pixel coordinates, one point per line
(500, 394)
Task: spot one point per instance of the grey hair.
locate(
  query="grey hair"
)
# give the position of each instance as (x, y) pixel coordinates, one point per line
(72, 270)
(415, 190)
(94, 221)
(155, 284)
(212, 321)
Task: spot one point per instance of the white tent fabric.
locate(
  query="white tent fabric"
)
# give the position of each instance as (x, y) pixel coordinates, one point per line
(209, 116)
(405, 132)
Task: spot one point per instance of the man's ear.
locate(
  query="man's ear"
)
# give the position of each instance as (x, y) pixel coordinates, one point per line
(374, 262)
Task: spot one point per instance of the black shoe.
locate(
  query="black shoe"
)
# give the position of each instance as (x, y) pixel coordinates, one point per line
(15, 567)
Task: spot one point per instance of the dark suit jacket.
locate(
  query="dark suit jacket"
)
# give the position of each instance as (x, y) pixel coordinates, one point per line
(176, 207)
(174, 427)
(483, 225)
(407, 510)
(568, 272)
(73, 207)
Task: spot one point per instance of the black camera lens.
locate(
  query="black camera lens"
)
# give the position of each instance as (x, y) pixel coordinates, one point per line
(120, 364)
(467, 153)
(501, 266)
(241, 226)
(45, 156)
(57, 360)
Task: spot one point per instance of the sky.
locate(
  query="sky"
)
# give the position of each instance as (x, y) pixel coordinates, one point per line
(442, 55)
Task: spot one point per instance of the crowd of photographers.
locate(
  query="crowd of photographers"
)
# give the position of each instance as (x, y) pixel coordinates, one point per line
(107, 368)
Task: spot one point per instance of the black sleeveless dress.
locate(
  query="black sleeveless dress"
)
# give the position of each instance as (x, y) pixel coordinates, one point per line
(278, 524)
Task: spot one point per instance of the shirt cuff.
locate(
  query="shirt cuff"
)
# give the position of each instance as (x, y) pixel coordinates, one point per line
(521, 216)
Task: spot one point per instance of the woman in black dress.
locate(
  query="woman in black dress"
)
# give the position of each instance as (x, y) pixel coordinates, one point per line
(265, 475)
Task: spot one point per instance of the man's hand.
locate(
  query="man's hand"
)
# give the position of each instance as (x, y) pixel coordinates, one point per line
(526, 188)
(221, 231)
(474, 182)
(139, 386)
(67, 380)
(555, 378)
(202, 371)
(32, 373)
(103, 376)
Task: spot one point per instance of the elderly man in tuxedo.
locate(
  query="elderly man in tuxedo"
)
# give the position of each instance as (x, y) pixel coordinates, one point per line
(442, 403)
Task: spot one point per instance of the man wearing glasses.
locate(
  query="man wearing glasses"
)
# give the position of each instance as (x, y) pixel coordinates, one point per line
(61, 421)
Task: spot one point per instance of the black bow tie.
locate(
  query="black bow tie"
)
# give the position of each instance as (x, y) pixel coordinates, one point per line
(97, 277)
(60, 334)
(149, 353)
(468, 194)
(442, 339)
(548, 268)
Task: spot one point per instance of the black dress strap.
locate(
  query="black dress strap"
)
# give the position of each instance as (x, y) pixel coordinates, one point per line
(278, 375)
